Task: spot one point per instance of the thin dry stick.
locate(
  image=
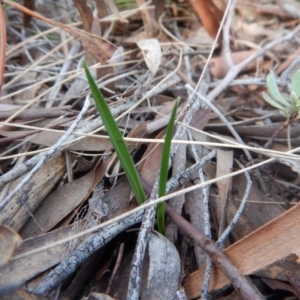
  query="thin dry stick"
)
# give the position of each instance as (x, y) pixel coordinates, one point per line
(239, 282)
(226, 34)
(2, 45)
(116, 268)
(241, 208)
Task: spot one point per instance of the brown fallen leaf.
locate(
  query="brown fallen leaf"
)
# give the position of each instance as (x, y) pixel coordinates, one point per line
(9, 241)
(219, 66)
(22, 295)
(266, 245)
(101, 49)
(209, 14)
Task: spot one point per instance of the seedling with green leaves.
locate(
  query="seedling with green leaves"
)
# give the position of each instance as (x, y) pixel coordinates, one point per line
(290, 108)
(124, 155)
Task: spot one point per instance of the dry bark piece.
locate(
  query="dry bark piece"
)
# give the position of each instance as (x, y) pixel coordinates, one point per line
(266, 245)
(20, 270)
(15, 213)
(9, 241)
(101, 49)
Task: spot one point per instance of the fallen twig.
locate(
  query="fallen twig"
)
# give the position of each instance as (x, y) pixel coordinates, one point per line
(239, 282)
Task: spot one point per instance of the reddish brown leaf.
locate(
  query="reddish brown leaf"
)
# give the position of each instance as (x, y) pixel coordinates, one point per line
(101, 49)
(209, 14)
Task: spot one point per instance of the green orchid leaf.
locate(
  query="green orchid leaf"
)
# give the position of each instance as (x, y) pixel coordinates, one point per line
(116, 139)
(295, 85)
(164, 169)
(274, 91)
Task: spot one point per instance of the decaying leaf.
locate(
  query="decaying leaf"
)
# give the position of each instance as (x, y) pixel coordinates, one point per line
(22, 269)
(209, 14)
(152, 53)
(9, 241)
(263, 247)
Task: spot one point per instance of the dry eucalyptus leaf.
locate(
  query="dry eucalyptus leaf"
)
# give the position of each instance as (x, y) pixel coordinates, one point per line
(98, 296)
(9, 241)
(22, 295)
(152, 53)
(164, 269)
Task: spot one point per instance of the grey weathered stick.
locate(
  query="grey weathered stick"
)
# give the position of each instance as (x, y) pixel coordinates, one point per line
(207, 230)
(46, 156)
(241, 208)
(97, 240)
(91, 244)
(149, 217)
(239, 282)
(233, 132)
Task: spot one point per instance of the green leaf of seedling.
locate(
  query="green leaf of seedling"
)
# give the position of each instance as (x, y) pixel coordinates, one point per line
(275, 104)
(294, 100)
(116, 139)
(274, 91)
(164, 169)
(295, 85)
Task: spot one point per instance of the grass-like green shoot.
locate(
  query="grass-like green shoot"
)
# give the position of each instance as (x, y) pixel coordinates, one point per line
(164, 169)
(116, 139)
(124, 155)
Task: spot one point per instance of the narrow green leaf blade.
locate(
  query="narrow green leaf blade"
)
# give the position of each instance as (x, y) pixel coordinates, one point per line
(164, 169)
(295, 85)
(274, 91)
(116, 139)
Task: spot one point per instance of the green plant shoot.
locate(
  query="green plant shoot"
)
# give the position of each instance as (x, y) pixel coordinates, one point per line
(164, 169)
(116, 139)
(290, 108)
